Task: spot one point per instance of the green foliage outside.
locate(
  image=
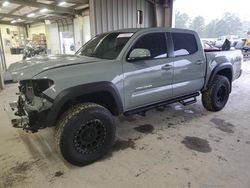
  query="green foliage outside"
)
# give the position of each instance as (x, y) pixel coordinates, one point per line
(229, 24)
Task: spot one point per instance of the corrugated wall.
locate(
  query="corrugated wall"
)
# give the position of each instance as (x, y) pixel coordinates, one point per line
(108, 15)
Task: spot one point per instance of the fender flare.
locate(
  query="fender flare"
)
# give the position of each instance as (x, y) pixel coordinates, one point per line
(71, 93)
(216, 70)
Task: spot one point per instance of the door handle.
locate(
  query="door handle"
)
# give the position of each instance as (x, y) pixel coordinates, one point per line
(166, 67)
(199, 62)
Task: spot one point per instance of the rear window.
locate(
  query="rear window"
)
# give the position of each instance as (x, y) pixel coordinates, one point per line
(184, 44)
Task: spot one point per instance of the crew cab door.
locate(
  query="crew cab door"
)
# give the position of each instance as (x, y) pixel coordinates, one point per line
(188, 63)
(147, 81)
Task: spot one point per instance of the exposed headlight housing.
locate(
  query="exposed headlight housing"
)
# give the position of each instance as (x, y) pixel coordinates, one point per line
(31, 88)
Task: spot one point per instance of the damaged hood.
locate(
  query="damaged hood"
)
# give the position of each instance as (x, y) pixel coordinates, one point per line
(26, 69)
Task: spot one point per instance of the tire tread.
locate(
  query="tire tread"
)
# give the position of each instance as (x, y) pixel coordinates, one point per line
(207, 95)
(67, 116)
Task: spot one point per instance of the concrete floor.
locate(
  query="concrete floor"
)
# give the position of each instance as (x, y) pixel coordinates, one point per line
(172, 147)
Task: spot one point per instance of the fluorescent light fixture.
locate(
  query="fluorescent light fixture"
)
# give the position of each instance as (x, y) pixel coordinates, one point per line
(82, 7)
(62, 3)
(13, 21)
(5, 3)
(31, 15)
(44, 10)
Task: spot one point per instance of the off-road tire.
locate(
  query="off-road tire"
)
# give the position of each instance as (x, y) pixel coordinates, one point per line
(210, 98)
(77, 126)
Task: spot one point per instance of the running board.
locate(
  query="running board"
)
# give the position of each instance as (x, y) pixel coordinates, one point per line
(184, 100)
(188, 101)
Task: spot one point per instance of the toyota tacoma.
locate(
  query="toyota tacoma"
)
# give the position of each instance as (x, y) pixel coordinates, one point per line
(117, 73)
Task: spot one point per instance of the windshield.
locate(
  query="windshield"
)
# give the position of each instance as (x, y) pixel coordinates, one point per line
(105, 46)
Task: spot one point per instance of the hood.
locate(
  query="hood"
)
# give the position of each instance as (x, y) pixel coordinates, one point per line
(26, 69)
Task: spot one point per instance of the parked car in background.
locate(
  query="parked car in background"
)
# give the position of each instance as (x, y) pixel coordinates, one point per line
(208, 46)
(232, 38)
(240, 44)
(210, 41)
(246, 48)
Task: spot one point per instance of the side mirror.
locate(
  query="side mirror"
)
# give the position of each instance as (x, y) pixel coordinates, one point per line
(139, 54)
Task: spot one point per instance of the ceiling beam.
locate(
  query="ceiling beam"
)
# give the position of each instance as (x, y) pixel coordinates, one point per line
(152, 1)
(43, 5)
(39, 18)
(80, 2)
(16, 9)
(45, 17)
(84, 6)
(12, 16)
(15, 17)
(8, 23)
(32, 18)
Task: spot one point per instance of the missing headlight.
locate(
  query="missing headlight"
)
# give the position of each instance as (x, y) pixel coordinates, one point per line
(41, 85)
(34, 87)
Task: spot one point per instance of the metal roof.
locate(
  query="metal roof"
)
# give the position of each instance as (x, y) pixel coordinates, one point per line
(29, 11)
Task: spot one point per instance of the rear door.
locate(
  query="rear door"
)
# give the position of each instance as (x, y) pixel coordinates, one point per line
(188, 63)
(148, 81)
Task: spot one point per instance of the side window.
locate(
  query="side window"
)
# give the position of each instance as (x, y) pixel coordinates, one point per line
(184, 44)
(155, 43)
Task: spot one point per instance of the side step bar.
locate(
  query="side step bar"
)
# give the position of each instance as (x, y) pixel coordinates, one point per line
(184, 100)
(188, 101)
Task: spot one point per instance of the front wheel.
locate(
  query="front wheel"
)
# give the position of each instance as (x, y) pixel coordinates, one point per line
(215, 98)
(85, 133)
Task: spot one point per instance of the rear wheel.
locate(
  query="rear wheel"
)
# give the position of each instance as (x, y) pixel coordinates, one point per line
(215, 98)
(85, 133)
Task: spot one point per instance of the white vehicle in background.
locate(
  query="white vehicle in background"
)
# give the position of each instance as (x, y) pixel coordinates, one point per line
(209, 40)
(232, 38)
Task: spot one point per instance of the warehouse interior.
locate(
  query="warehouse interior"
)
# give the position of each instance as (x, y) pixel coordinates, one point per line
(44, 23)
(170, 146)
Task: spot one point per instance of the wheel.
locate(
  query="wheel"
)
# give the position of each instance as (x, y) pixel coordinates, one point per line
(85, 133)
(216, 97)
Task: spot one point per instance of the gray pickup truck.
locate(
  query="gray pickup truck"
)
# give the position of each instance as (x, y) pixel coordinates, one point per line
(121, 72)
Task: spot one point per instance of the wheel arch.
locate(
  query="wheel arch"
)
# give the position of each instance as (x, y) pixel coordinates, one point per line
(225, 69)
(102, 93)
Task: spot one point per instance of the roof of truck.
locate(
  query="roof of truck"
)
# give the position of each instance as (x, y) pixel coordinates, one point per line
(134, 30)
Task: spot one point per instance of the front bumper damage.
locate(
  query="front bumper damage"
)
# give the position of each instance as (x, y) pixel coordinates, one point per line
(16, 120)
(26, 116)
(30, 111)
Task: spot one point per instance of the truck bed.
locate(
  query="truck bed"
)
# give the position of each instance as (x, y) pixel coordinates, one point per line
(217, 57)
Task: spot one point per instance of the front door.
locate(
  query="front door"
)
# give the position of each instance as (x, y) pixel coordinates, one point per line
(150, 80)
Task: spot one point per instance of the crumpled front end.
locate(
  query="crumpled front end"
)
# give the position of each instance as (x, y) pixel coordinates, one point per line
(32, 106)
